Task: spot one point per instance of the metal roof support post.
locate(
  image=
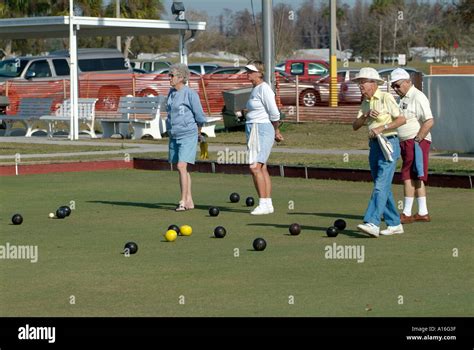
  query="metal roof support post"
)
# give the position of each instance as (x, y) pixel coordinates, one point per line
(267, 28)
(74, 122)
(183, 56)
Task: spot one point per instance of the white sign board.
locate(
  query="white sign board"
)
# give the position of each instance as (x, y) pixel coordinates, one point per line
(402, 59)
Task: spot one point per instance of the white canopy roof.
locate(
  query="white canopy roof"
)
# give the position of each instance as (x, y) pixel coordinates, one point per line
(58, 27)
(77, 26)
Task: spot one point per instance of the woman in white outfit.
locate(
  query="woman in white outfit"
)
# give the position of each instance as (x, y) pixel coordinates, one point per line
(262, 122)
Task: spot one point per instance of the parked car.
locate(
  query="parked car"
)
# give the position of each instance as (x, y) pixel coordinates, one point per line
(203, 68)
(348, 91)
(308, 95)
(53, 72)
(56, 65)
(280, 67)
(149, 65)
(228, 70)
(307, 70)
(167, 70)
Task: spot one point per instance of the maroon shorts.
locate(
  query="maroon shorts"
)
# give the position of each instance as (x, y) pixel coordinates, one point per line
(407, 149)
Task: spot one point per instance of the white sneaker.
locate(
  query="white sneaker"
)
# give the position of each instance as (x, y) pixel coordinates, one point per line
(369, 228)
(392, 230)
(270, 209)
(261, 210)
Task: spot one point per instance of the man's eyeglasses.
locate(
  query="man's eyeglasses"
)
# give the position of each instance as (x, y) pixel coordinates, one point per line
(396, 86)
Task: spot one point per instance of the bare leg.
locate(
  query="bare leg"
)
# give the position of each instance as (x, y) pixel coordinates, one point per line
(189, 197)
(420, 188)
(184, 180)
(409, 188)
(258, 175)
(268, 182)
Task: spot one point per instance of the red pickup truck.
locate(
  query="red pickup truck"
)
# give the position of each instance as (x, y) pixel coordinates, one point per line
(307, 69)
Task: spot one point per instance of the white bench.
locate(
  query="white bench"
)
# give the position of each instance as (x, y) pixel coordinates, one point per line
(29, 112)
(86, 116)
(209, 129)
(142, 113)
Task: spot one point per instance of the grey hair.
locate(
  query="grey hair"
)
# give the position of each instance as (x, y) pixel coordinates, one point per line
(181, 70)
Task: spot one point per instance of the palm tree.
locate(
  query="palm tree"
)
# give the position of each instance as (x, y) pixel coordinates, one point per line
(139, 9)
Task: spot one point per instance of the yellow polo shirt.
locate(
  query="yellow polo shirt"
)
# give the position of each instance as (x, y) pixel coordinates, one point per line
(385, 104)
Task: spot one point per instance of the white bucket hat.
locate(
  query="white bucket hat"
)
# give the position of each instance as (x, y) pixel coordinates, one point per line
(368, 73)
(399, 74)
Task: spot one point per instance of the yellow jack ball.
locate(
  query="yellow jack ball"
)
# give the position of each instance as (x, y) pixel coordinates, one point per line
(186, 230)
(171, 235)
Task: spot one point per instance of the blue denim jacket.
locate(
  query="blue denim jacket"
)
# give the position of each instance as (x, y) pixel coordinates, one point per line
(418, 161)
(185, 113)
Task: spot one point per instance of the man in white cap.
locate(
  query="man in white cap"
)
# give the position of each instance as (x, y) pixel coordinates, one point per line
(414, 136)
(381, 114)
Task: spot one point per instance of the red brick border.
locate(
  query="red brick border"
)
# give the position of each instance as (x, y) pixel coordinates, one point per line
(436, 180)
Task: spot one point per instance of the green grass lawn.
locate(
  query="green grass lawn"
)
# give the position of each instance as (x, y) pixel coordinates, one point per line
(307, 136)
(11, 148)
(427, 271)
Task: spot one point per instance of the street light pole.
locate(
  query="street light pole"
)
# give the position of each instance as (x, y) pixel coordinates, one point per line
(117, 14)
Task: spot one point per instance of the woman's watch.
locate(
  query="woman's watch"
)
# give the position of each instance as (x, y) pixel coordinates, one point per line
(385, 126)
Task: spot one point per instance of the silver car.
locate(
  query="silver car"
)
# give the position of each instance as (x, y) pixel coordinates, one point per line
(308, 95)
(348, 91)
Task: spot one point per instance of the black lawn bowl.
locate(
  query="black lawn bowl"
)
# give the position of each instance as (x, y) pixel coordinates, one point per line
(66, 209)
(234, 197)
(259, 244)
(340, 224)
(213, 211)
(61, 213)
(175, 228)
(220, 232)
(250, 202)
(332, 231)
(17, 219)
(295, 229)
(130, 248)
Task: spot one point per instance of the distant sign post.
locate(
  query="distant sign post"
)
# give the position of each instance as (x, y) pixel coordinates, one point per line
(402, 60)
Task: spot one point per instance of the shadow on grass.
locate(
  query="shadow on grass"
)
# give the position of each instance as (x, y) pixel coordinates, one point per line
(331, 215)
(321, 229)
(170, 206)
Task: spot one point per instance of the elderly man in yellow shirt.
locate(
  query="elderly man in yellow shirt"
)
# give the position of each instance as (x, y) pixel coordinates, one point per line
(383, 116)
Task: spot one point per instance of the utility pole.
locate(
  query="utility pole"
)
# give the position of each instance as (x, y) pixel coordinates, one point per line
(117, 14)
(394, 40)
(333, 58)
(267, 26)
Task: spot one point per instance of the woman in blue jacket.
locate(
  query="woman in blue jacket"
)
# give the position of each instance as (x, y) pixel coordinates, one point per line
(184, 122)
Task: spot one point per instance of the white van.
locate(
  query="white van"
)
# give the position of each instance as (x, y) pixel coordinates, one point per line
(56, 65)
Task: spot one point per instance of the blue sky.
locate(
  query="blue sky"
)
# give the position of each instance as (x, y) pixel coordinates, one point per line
(215, 7)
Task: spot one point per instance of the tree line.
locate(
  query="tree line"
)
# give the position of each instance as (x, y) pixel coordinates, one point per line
(372, 29)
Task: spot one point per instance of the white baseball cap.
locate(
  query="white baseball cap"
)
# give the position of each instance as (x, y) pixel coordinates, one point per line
(399, 74)
(251, 67)
(370, 74)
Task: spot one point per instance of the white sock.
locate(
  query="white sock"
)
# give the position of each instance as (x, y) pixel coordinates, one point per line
(269, 203)
(408, 205)
(262, 202)
(422, 208)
